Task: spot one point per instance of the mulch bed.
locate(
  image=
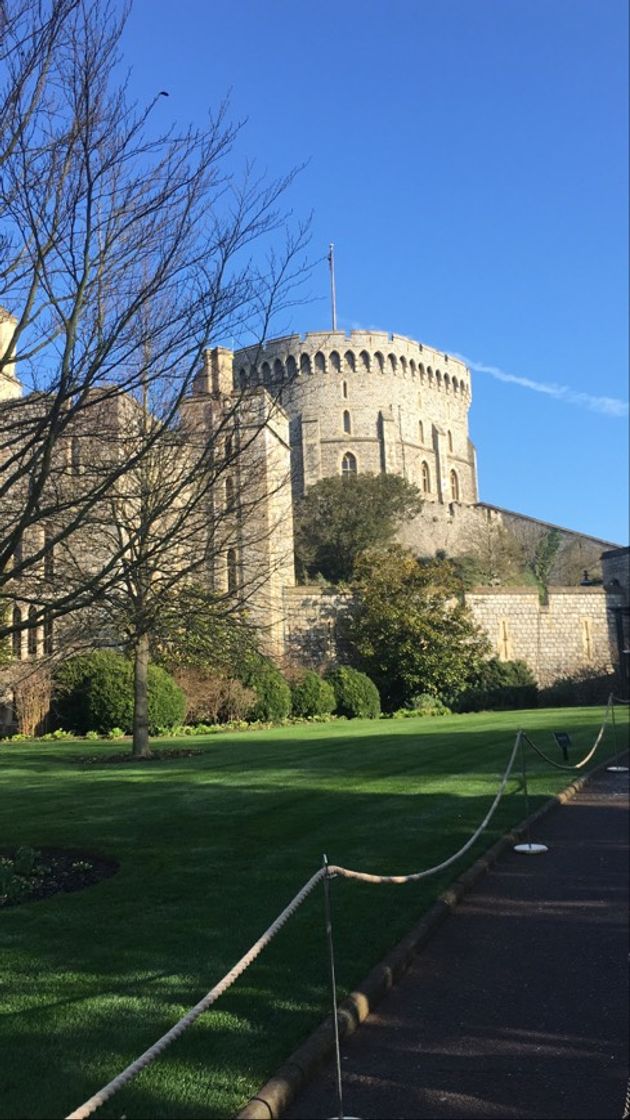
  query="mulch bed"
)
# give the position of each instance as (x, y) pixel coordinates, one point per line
(56, 870)
(156, 756)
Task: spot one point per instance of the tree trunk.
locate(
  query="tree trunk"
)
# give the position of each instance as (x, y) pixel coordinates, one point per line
(141, 747)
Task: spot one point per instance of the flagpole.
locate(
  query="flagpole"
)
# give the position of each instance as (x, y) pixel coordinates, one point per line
(333, 295)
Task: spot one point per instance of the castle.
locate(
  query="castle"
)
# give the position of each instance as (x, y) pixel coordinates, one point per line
(335, 403)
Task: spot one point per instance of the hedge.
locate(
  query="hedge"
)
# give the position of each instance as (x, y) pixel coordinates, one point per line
(356, 696)
(95, 692)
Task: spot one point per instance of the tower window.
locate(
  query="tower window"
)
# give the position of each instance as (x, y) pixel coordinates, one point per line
(344, 390)
(48, 634)
(348, 465)
(32, 632)
(426, 479)
(320, 362)
(450, 441)
(454, 486)
(76, 456)
(16, 637)
(229, 495)
(347, 424)
(231, 570)
(349, 359)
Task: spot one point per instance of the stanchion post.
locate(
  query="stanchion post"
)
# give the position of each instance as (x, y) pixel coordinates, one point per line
(528, 848)
(333, 984)
(615, 769)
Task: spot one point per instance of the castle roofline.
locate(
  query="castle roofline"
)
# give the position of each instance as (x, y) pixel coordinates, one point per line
(335, 339)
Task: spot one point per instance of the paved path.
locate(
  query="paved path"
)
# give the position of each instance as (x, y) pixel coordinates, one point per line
(518, 1007)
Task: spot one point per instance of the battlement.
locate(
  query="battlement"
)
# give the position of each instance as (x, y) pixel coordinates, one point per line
(351, 352)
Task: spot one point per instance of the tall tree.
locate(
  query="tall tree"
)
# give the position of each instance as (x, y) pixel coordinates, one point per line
(339, 518)
(407, 626)
(125, 252)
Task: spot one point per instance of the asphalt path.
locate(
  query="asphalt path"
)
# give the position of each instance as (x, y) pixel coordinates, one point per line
(518, 1007)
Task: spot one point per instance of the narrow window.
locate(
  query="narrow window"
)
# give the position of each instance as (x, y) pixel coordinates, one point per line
(412, 367)
(364, 358)
(403, 366)
(505, 645)
(426, 479)
(392, 362)
(587, 639)
(16, 637)
(242, 378)
(229, 495)
(228, 449)
(320, 362)
(347, 426)
(48, 634)
(380, 361)
(344, 390)
(32, 632)
(49, 555)
(278, 370)
(305, 364)
(454, 486)
(291, 367)
(76, 456)
(266, 373)
(348, 465)
(421, 431)
(349, 360)
(231, 570)
(450, 441)
(335, 361)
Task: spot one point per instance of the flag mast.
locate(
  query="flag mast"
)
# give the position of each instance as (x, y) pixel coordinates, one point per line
(333, 295)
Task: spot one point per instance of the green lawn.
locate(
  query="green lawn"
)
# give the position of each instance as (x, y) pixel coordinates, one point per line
(211, 848)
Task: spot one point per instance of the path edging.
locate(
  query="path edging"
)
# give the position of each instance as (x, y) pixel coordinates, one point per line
(271, 1100)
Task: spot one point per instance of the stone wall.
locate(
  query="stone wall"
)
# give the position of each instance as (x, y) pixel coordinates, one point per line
(572, 632)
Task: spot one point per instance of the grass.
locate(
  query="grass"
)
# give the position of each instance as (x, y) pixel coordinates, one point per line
(210, 849)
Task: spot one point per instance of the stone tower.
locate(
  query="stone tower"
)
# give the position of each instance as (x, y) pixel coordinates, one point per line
(10, 387)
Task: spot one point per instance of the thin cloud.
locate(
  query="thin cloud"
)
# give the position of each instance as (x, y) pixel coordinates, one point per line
(607, 406)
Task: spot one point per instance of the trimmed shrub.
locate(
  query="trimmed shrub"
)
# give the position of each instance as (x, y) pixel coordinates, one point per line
(582, 688)
(423, 705)
(356, 695)
(95, 691)
(499, 685)
(273, 695)
(311, 695)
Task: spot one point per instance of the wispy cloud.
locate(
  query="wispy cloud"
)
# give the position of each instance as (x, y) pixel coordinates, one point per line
(607, 406)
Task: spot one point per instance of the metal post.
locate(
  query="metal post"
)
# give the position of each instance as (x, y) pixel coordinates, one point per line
(528, 848)
(333, 293)
(333, 983)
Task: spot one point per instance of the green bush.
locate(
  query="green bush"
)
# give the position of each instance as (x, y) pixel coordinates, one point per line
(273, 695)
(499, 685)
(423, 705)
(356, 695)
(95, 691)
(583, 688)
(311, 695)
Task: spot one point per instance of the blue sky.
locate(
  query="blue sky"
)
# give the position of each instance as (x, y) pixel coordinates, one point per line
(469, 160)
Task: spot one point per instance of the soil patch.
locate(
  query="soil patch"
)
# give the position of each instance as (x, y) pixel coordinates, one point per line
(27, 874)
(156, 756)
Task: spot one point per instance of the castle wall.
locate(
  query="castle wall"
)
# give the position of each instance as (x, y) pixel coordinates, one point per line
(571, 632)
(394, 404)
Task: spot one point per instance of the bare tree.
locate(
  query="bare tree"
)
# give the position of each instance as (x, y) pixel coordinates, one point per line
(124, 254)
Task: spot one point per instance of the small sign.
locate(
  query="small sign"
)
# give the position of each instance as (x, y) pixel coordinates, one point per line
(563, 739)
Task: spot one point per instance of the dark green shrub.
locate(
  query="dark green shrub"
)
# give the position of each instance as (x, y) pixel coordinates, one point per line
(583, 688)
(422, 705)
(499, 685)
(273, 695)
(312, 696)
(96, 691)
(355, 694)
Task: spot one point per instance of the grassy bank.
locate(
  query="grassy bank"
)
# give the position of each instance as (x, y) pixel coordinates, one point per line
(210, 849)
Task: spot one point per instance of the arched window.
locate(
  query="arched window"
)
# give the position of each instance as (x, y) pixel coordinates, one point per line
(266, 373)
(229, 495)
(430, 375)
(438, 379)
(450, 440)
(242, 377)
(426, 479)
(392, 362)
(421, 371)
(349, 359)
(32, 632)
(380, 361)
(447, 383)
(231, 570)
(48, 634)
(403, 366)
(344, 390)
(291, 367)
(305, 364)
(320, 362)
(347, 424)
(76, 456)
(348, 465)
(278, 370)
(421, 431)
(454, 486)
(16, 637)
(412, 367)
(335, 361)
(364, 359)
(455, 384)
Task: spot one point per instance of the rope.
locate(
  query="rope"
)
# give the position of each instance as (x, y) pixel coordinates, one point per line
(365, 877)
(587, 758)
(618, 700)
(212, 996)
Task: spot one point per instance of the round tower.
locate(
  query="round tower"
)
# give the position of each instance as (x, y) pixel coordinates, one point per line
(9, 385)
(372, 402)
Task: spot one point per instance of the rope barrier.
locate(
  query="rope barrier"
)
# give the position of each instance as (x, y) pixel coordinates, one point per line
(212, 996)
(365, 877)
(587, 758)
